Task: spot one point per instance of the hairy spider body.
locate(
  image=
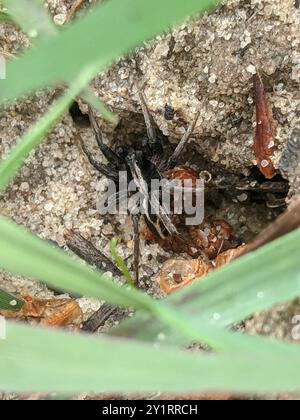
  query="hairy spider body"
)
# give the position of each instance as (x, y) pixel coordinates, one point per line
(142, 165)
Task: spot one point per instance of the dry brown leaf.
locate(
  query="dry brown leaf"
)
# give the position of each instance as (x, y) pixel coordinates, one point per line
(177, 274)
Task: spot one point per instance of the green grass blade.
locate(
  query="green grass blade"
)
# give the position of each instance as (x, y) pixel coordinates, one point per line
(23, 253)
(11, 163)
(10, 302)
(32, 359)
(99, 38)
(120, 263)
(32, 17)
(253, 283)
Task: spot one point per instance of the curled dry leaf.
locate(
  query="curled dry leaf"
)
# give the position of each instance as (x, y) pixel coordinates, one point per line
(228, 256)
(264, 141)
(48, 312)
(176, 274)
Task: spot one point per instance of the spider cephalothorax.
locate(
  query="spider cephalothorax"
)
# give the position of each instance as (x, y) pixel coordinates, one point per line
(143, 165)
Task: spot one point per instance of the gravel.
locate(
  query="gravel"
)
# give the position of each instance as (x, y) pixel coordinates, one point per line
(206, 64)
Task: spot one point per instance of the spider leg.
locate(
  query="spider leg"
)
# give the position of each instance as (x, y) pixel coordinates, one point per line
(105, 170)
(182, 144)
(110, 155)
(136, 250)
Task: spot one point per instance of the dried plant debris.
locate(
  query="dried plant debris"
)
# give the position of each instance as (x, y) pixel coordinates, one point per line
(176, 274)
(86, 251)
(179, 273)
(212, 237)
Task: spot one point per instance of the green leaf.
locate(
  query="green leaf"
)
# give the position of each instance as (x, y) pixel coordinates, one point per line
(10, 165)
(32, 17)
(97, 39)
(253, 283)
(10, 302)
(120, 263)
(32, 359)
(23, 253)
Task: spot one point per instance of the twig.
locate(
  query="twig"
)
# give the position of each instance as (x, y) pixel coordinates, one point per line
(85, 250)
(99, 318)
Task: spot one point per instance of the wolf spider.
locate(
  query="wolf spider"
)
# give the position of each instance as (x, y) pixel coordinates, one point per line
(142, 165)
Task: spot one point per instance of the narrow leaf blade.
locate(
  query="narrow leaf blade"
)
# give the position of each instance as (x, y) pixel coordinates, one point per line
(33, 359)
(23, 253)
